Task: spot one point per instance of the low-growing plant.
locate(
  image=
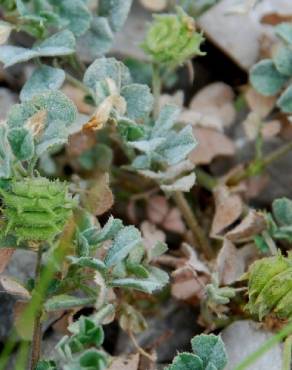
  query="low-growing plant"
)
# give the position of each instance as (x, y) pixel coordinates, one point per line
(85, 257)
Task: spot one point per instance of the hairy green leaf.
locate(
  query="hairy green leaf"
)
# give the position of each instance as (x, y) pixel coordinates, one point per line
(43, 78)
(116, 11)
(186, 361)
(285, 100)
(284, 31)
(266, 79)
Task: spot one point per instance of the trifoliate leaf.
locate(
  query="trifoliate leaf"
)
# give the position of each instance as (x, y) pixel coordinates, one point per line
(63, 302)
(22, 144)
(139, 101)
(116, 11)
(62, 43)
(283, 61)
(210, 349)
(127, 239)
(186, 361)
(74, 14)
(266, 79)
(43, 78)
(285, 100)
(284, 30)
(97, 40)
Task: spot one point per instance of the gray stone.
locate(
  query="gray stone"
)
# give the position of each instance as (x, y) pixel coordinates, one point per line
(244, 337)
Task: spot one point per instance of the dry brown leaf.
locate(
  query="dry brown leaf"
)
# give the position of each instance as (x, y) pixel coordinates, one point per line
(36, 123)
(229, 208)
(173, 221)
(79, 143)
(229, 265)
(5, 256)
(157, 209)
(14, 288)
(262, 105)
(98, 197)
(271, 129)
(190, 277)
(211, 144)
(275, 18)
(130, 362)
(215, 100)
(254, 223)
(187, 285)
(160, 213)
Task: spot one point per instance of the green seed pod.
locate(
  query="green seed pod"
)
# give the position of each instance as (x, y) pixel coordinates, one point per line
(36, 209)
(270, 287)
(172, 39)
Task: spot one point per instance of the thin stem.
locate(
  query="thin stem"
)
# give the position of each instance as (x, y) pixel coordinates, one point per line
(257, 166)
(156, 88)
(37, 331)
(287, 353)
(193, 224)
(205, 180)
(287, 330)
(75, 82)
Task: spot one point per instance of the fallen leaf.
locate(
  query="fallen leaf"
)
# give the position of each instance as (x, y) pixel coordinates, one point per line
(5, 256)
(275, 18)
(216, 99)
(228, 207)
(129, 362)
(173, 221)
(229, 265)
(79, 143)
(190, 277)
(253, 224)
(271, 129)
(211, 144)
(157, 209)
(98, 197)
(14, 288)
(5, 30)
(160, 213)
(262, 105)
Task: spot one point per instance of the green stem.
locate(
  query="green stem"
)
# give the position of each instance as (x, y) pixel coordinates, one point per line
(287, 353)
(205, 180)
(37, 330)
(257, 166)
(287, 330)
(156, 89)
(75, 82)
(193, 224)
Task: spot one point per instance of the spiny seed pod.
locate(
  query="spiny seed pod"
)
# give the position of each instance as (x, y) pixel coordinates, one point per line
(172, 39)
(36, 209)
(270, 287)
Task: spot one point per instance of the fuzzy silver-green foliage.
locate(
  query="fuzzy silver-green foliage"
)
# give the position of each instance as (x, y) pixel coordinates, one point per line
(270, 76)
(59, 115)
(36, 209)
(61, 43)
(172, 39)
(43, 79)
(270, 287)
(209, 354)
(137, 97)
